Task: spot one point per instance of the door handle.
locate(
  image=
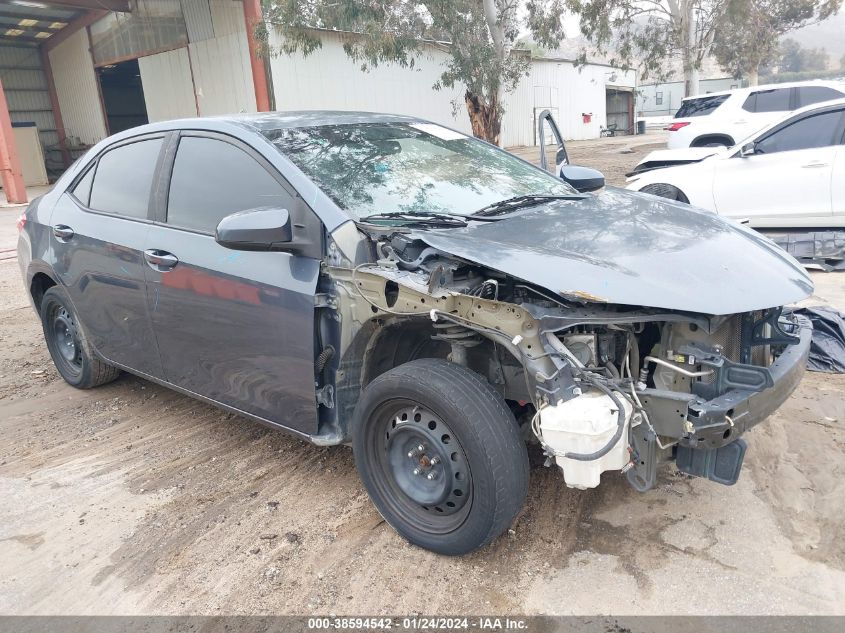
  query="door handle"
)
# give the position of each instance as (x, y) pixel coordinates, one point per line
(160, 259)
(813, 165)
(63, 232)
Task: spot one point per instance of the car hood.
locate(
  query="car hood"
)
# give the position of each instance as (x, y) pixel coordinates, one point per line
(622, 247)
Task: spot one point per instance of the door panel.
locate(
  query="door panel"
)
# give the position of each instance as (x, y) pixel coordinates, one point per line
(236, 326)
(102, 266)
(838, 187)
(233, 326)
(99, 230)
(787, 177)
(782, 185)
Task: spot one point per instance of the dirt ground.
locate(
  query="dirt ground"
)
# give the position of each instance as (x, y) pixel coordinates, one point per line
(132, 499)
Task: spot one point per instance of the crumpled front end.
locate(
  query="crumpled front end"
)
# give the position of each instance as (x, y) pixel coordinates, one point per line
(599, 386)
(688, 399)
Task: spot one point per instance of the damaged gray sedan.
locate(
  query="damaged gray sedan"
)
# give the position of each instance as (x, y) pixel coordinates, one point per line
(429, 298)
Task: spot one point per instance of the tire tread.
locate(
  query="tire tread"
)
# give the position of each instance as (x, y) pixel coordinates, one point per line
(484, 407)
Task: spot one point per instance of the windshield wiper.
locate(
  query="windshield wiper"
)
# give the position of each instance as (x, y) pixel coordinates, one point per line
(520, 202)
(418, 217)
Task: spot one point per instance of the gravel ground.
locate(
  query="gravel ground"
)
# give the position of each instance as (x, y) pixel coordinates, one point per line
(132, 499)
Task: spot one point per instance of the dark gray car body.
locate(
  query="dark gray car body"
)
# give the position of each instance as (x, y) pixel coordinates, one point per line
(241, 329)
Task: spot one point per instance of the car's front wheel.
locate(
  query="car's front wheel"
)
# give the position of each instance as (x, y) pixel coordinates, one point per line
(440, 455)
(67, 345)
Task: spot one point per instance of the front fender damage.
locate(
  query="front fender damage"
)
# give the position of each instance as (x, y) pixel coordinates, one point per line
(599, 386)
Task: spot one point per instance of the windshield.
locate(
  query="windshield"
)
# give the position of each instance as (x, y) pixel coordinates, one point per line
(377, 168)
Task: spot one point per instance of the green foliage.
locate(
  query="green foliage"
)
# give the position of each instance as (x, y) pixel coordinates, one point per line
(482, 37)
(806, 75)
(748, 38)
(794, 58)
(644, 34)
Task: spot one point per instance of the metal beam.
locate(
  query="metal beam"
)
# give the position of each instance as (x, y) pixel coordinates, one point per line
(83, 21)
(252, 17)
(109, 5)
(10, 164)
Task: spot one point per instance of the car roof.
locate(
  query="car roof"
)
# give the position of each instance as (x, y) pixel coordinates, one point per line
(265, 121)
(249, 128)
(831, 83)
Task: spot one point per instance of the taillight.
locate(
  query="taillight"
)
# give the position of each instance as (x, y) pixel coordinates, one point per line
(677, 126)
(21, 221)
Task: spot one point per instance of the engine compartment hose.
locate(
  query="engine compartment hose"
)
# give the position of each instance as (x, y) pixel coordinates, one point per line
(620, 427)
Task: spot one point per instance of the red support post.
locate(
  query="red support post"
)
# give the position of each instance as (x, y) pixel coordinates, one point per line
(10, 164)
(252, 17)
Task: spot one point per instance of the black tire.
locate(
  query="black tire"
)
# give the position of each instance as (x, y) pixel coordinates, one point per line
(666, 191)
(68, 347)
(479, 483)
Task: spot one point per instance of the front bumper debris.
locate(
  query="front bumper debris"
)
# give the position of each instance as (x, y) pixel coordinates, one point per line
(695, 428)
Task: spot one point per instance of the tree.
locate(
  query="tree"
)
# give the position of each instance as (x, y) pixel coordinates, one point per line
(751, 31)
(482, 37)
(793, 58)
(646, 33)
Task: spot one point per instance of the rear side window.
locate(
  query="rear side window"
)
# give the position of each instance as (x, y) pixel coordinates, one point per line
(82, 190)
(810, 132)
(808, 95)
(124, 178)
(700, 106)
(212, 179)
(775, 100)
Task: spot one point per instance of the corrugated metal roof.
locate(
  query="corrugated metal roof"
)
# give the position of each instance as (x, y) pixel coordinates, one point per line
(29, 24)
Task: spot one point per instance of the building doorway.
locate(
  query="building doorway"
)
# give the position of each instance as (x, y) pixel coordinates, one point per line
(620, 110)
(123, 95)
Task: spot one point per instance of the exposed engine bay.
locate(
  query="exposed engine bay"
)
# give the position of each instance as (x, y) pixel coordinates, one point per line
(600, 387)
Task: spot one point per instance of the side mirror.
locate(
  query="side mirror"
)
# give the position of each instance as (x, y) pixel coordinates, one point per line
(262, 229)
(747, 150)
(582, 178)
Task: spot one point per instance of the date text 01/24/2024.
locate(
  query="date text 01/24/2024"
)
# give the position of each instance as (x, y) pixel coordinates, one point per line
(418, 623)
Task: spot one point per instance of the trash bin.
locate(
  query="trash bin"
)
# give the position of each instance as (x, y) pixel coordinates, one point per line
(640, 127)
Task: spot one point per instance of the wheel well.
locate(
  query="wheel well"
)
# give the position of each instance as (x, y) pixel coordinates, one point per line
(382, 345)
(41, 283)
(665, 190)
(399, 342)
(703, 141)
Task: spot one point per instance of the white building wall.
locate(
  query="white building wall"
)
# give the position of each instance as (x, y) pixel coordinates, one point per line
(223, 75)
(672, 93)
(168, 85)
(219, 56)
(227, 16)
(568, 92)
(328, 80)
(76, 89)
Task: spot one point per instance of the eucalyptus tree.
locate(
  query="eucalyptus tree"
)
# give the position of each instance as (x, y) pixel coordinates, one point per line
(482, 38)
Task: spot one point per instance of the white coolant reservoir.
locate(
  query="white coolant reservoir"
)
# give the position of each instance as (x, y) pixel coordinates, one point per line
(585, 425)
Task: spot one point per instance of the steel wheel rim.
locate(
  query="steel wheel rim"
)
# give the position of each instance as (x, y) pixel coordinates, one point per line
(66, 339)
(423, 471)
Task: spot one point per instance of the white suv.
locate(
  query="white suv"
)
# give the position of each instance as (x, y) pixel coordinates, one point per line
(723, 118)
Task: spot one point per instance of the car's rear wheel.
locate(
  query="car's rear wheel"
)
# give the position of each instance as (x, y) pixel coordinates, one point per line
(440, 455)
(67, 345)
(666, 191)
